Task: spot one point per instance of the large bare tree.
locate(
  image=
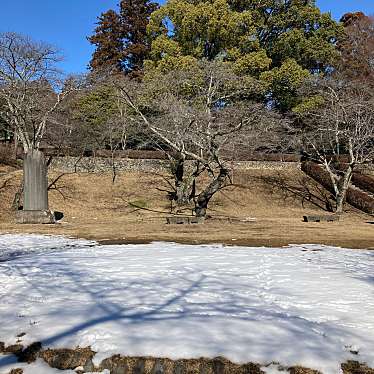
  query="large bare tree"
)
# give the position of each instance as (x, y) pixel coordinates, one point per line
(32, 89)
(340, 129)
(194, 114)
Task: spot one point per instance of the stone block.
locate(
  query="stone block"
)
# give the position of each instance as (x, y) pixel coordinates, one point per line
(35, 217)
(182, 220)
(323, 218)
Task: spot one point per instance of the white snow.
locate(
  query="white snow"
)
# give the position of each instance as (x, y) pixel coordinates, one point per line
(9, 362)
(305, 304)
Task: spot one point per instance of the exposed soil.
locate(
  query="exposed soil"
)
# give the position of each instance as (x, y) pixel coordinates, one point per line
(94, 208)
(80, 359)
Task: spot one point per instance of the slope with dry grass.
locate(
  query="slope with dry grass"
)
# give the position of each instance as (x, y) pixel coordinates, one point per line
(263, 207)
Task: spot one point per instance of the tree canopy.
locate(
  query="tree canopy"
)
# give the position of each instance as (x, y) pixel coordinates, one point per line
(121, 39)
(357, 47)
(108, 42)
(276, 41)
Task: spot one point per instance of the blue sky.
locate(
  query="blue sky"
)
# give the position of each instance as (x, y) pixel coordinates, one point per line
(67, 23)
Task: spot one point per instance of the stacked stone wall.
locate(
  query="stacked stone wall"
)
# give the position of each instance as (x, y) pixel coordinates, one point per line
(101, 164)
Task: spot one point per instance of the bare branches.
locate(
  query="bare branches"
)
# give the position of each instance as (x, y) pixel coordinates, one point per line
(23, 60)
(30, 86)
(194, 114)
(342, 125)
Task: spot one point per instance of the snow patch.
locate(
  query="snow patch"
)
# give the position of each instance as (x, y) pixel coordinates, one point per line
(305, 305)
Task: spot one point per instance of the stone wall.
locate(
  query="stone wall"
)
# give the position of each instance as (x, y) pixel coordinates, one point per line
(100, 165)
(70, 164)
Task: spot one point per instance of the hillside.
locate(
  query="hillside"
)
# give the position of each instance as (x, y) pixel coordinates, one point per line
(94, 208)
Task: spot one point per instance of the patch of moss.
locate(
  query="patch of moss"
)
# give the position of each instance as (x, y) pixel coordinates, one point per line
(138, 204)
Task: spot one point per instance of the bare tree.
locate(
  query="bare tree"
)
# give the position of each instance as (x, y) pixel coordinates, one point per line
(342, 126)
(32, 89)
(194, 114)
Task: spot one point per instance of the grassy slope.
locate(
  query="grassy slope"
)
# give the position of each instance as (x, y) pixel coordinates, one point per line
(96, 208)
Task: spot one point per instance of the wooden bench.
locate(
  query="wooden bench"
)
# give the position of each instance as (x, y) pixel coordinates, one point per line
(184, 220)
(324, 218)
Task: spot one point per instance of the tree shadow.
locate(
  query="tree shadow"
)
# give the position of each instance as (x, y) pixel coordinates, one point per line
(302, 189)
(100, 292)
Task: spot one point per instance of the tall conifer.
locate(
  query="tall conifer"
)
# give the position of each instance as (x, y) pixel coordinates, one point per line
(121, 38)
(108, 42)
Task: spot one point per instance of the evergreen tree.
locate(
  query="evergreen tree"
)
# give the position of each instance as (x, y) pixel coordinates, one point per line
(121, 38)
(357, 47)
(280, 42)
(134, 16)
(109, 43)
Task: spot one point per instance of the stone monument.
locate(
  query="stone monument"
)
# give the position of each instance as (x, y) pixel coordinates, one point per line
(35, 192)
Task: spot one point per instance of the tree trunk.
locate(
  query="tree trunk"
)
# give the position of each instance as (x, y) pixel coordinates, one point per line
(17, 198)
(205, 196)
(343, 185)
(15, 144)
(181, 195)
(35, 193)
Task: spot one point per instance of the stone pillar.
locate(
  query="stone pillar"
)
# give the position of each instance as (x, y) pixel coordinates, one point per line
(35, 195)
(35, 192)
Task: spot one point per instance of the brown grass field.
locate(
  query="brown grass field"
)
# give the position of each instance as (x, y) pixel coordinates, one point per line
(95, 208)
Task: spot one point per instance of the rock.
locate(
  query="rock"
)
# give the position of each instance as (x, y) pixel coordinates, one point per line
(354, 367)
(14, 348)
(64, 359)
(58, 215)
(30, 354)
(301, 370)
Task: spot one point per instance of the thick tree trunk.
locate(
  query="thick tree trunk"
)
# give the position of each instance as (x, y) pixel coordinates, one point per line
(343, 185)
(179, 183)
(205, 196)
(181, 193)
(35, 194)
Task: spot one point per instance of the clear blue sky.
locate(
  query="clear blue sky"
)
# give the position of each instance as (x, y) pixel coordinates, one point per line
(67, 23)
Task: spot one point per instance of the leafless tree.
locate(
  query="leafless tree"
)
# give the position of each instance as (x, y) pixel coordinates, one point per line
(343, 125)
(194, 114)
(32, 89)
(29, 85)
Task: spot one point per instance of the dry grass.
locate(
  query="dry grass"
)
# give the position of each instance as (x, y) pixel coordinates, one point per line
(97, 209)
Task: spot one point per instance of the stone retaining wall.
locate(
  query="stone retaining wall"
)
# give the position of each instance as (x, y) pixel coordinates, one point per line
(97, 165)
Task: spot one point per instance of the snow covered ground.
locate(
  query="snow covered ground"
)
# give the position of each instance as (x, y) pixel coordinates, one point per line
(305, 304)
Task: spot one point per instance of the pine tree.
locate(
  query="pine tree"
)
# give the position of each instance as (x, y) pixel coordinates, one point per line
(109, 43)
